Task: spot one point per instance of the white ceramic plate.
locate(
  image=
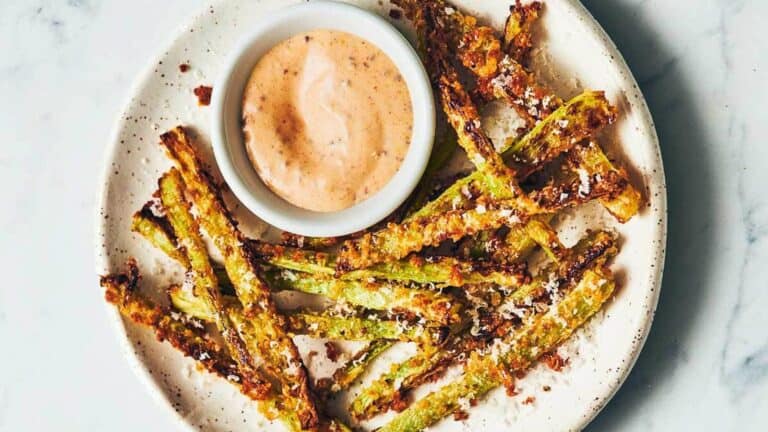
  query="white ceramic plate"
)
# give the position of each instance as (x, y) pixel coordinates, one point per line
(574, 53)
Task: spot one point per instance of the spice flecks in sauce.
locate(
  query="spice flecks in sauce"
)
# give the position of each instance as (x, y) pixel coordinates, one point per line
(327, 119)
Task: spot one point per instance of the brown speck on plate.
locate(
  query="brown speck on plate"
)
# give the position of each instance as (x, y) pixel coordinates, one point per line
(203, 94)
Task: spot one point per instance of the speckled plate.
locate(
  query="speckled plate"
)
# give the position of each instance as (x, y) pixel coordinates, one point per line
(573, 53)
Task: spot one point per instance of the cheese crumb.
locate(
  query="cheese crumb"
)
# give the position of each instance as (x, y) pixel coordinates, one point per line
(584, 185)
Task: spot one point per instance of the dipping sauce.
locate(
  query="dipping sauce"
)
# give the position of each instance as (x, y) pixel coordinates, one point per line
(327, 119)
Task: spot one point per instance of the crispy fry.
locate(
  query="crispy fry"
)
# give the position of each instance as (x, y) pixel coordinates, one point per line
(398, 240)
(623, 205)
(323, 325)
(320, 325)
(571, 122)
(513, 84)
(589, 157)
(159, 233)
(346, 375)
(479, 50)
(191, 245)
(547, 238)
(517, 30)
(377, 295)
(156, 230)
(440, 271)
(504, 77)
(379, 395)
(275, 345)
(500, 180)
(576, 120)
(387, 391)
(184, 335)
(517, 242)
(476, 382)
(311, 243)
(463, 116)
(539, 335)
(476, 46)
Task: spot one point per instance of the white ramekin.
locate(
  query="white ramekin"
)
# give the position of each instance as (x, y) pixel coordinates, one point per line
(227, 136)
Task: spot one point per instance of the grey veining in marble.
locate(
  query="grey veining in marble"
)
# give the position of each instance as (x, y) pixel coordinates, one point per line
(65, 67)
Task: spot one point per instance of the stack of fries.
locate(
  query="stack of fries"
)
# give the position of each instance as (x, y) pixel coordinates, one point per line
(477, 306)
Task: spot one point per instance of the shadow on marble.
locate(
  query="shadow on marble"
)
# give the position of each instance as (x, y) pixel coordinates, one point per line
(689, 167)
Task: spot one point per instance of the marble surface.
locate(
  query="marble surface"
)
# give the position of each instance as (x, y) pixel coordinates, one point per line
(65, 71)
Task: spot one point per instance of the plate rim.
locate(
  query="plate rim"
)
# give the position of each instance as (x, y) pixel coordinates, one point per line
(135, 363)
(657, 277)
(655, 280)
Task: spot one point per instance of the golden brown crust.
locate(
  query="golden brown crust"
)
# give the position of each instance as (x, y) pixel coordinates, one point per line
(253, 293)
(460, 110)
(199, 268)
(517, 86)
(517, 30)
(494, 198)
(396, 241)
(186, 335)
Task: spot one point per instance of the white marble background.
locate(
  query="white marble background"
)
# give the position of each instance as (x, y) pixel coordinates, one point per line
(65, 69)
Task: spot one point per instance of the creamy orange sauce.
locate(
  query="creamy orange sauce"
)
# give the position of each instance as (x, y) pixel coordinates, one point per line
(327, 119)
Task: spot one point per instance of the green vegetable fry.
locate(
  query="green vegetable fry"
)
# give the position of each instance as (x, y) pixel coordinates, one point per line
(364, 329)
(480, 51)
(390, 389)
(517, 30)
(320, 325)
(186, 336)
(275, 344)
(463, 116)
(440, 271)
(504, 77)
(396, 241)
(576, 120)
(622, 205)
(191, 245)
(515, 245)
(376, 295)
(158, 232)
(306, 242)
(571, 122)
(441, 154)
(384, 392)
(590, 157)
(539, 335)
(346, 375)
(546, 238)
(518, 243)
(425, 412)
